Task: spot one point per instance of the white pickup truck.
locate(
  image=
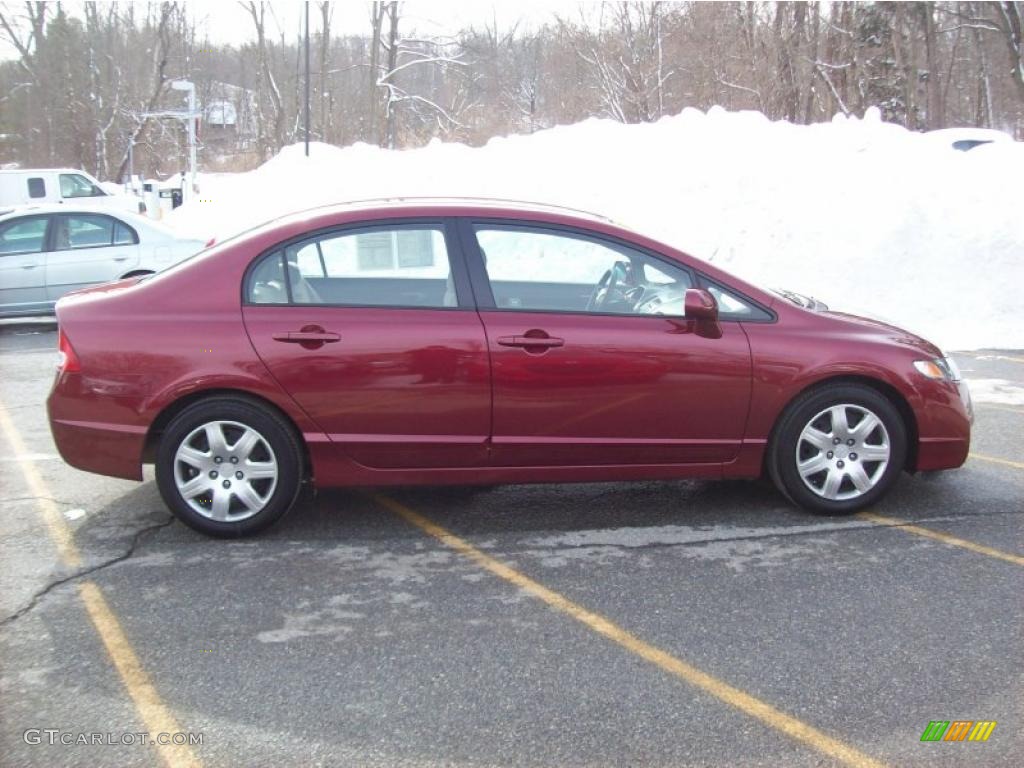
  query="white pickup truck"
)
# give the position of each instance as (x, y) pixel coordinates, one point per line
(35, 186)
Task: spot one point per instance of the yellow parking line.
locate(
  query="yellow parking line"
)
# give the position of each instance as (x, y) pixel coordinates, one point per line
(151, 709)
(154, 714)
(750, 705)
(996, 460)
(945, 538)
(58, 529)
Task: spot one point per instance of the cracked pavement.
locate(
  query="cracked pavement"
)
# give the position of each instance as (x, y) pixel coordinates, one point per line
(346, 636)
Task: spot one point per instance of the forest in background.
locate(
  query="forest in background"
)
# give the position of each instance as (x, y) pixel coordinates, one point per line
(78, 92)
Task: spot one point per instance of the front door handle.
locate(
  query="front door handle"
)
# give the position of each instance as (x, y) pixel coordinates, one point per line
(305, 337)
(530, 341)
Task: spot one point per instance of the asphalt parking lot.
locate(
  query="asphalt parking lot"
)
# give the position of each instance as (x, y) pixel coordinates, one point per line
(648, 624)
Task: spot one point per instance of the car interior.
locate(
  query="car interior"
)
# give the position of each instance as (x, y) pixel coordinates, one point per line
(409, 268)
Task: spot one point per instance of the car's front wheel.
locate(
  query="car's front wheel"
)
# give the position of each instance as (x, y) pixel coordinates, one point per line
(228, 467)
(838, 449)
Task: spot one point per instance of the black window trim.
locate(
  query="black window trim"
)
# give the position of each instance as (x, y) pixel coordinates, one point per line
(47, 233)
(446, 224)
(113, 232)
(482, 286)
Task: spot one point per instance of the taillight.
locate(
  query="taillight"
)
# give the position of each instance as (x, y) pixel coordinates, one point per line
(67, 361)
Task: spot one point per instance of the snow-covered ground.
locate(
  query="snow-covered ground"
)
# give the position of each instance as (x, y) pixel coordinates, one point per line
(996, 391)
(865, 215)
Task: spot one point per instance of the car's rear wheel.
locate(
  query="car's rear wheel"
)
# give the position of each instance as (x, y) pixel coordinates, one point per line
(838, 448)
(228, 467)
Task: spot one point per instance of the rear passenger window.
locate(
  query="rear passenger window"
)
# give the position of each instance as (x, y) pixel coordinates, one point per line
(404, 266)
(36, 187)
(84, 231)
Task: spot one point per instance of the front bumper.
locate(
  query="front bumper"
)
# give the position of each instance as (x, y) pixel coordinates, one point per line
(944, 418)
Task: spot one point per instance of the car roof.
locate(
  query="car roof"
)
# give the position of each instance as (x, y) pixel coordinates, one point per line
(43, 208)
(134, 220)
(452, 206)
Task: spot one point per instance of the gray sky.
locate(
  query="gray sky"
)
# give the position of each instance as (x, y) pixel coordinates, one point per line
(225, 21)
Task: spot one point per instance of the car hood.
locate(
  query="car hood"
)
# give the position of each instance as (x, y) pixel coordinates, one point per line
(883, 328)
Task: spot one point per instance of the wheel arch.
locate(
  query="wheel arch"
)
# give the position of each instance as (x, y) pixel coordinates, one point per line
(887, 390)
(172, 409)
(136, 273)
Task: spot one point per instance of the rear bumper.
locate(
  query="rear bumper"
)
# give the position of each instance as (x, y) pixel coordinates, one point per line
(100, 447)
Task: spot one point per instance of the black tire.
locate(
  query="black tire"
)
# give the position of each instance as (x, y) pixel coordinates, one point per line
(782, 453)
(276, 432)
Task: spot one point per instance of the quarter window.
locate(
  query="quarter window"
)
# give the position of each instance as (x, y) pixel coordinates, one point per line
(124, 235)
(405, 266)
(23, 235)
(548, 270)
(733, 307)
(36, 187)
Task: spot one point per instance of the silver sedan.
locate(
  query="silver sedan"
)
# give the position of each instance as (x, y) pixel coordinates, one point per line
(47, 251)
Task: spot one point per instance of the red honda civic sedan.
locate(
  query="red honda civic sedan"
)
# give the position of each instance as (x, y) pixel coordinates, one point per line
(480, 342)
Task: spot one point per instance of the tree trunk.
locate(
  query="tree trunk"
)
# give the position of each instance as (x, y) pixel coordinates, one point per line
(1013, 23)
(936, 117)
(325, 47)
(392, 63)
(373, 98)
(160, 57)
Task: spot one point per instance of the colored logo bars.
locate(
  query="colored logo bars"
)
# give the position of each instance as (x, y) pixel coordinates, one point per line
(958, 730)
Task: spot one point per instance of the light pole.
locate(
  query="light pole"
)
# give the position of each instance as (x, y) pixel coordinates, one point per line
(190, 88)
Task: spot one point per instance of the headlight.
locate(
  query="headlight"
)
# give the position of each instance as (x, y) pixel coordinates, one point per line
(938, 368)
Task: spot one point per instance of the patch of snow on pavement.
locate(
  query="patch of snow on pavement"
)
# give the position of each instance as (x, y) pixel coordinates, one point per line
(999, 391)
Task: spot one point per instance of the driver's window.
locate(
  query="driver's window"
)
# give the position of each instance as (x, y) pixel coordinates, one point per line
(74, 185)
(549, 270)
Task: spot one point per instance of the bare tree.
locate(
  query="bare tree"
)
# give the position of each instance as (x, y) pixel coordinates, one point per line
(268, 84)
(83, 75)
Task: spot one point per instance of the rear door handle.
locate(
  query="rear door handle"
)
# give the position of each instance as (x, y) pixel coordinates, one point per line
(530, 341)
(120, 258)
(302, 337)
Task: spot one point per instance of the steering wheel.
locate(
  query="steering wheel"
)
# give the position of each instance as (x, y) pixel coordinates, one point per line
(609, 280)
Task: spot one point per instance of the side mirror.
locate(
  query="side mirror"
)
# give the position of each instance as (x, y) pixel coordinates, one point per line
(700, 305)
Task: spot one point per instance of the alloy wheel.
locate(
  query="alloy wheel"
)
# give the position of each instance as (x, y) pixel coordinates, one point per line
(225, 471)
(842, 452)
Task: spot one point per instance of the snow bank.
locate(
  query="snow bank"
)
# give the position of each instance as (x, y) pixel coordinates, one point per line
(862, 214)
